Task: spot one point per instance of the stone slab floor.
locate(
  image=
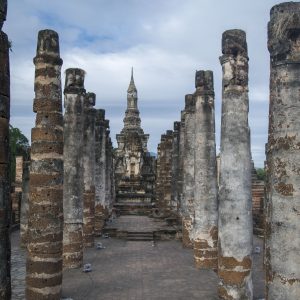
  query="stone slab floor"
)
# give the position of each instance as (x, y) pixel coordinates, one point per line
(135, 270)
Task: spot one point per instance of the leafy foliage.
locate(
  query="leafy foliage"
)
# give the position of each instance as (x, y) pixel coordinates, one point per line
(19, 146)
(261, 173)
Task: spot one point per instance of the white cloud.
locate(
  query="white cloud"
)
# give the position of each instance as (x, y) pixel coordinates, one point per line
(165, 41)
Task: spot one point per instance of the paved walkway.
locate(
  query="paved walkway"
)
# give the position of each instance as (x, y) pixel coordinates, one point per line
(130, 270)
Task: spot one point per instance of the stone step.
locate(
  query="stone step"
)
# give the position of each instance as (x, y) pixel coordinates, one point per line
(140, 236)
(123, 208)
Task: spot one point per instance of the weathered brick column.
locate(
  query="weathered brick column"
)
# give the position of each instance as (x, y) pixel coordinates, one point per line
(73, 168)
(111, 176)
(89, 170)
(15, 206)
(235, 203)
(16, 194)
(158, 183)
(206, 193)
(100, 158)
(108, 171)
(188, 171)
(5, 290)
(24, 204)
(175, 169)
(181, 156)
(283, 155)
(45, 216)
(163, 179)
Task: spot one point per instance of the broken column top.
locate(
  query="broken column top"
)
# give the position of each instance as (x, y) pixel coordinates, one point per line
(90, 100)
(234, 42)
(189, 102)
(169, 132)
(163, 137)
(285, 7)
(284, 31)
(3, 12)
(182, 117)
(74, 80)
(204, 80)
(100, 115)
(176, 126)
(48, 44)
(107, 123)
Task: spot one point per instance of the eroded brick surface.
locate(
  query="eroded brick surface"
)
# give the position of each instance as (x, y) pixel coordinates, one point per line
(282, 254)
(45, 215)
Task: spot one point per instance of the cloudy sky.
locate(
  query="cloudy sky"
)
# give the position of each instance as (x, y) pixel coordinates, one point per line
(164, 40)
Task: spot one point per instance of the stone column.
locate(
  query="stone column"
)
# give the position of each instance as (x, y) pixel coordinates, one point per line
(161, 174)
(283, 155)
(107, 168)
(19, 173)
(188, 172)
(111, 176)
(100, 145)
(175, 169)
(165, 172)
(205, 233)
(89, 170)
(235, 205)
(24, 204)
(158, 183)
(180, 175)
(45, 216)
(5, 290)
(73, 168)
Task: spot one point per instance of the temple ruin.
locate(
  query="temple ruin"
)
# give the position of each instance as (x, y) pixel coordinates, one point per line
(134, 167)
(80, 204)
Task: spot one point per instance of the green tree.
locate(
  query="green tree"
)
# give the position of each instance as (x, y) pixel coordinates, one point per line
(19, 146)
(261, 173)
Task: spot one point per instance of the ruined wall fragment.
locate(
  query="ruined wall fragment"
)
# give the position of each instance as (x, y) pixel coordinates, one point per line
(235, 205)
(205, 232)
(283, 155)
(45, 217)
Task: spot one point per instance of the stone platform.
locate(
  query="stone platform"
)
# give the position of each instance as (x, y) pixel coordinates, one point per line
(136, 270)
